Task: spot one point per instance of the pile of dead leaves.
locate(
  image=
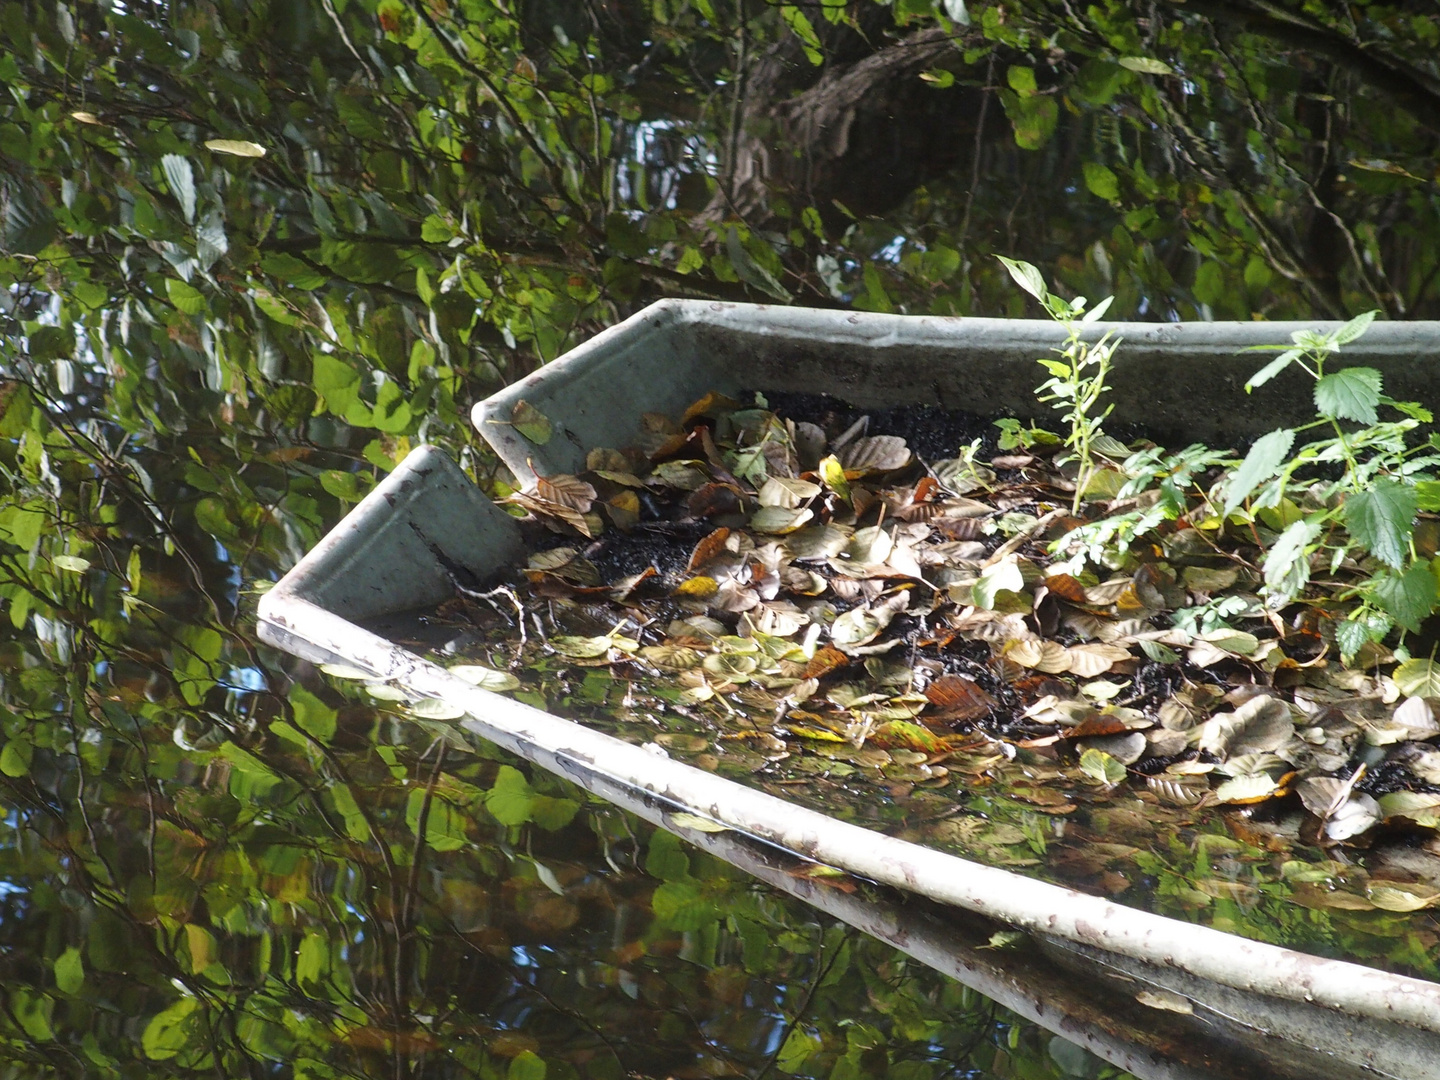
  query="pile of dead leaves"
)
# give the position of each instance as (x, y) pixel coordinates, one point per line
(835, 588)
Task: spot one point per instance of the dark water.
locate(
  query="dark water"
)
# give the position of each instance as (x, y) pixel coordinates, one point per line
(214, 861)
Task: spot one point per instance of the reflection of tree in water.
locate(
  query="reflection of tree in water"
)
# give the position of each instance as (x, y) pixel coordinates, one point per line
(208, 356)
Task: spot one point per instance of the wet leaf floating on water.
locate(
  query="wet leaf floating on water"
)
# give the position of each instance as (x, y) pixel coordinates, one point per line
(486, 678)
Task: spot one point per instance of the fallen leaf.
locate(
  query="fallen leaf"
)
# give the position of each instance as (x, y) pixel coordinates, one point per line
(533, 424)
(875, 453)
(958, 698)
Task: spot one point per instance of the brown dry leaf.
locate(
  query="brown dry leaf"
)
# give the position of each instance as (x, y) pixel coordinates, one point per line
(546, 509)
(564, 490)
(710, 547)
(786, 492)
(958, 698)
(1307, 894)
(624, 510)
(1323, 795)
(1066, 588)
(1047, 656)
(875, 453)
(778, 520)
(1088, 661)
(710, 500)
(1096, 726)
(1177, 792)
(1259, 725)
(712, 404)
(826, 659)
(603, 459)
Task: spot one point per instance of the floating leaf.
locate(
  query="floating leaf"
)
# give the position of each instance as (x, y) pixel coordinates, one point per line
(1087, 661)
(1253, 788)
(697, 823)
(1261, 724)
(1101, 767)
(1401, 895)
(1166, 1001)
(345, 671)
(436, 709)
(779, 520)
(1353, 818)
(235, 148)
(485, 678)
(582, 648)
(958, 698)
(1146, 65)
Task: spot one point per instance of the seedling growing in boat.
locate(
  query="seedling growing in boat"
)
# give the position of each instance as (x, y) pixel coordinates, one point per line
(1077, 379)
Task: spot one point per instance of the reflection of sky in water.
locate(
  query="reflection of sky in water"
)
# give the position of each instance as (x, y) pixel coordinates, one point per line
(660, 153)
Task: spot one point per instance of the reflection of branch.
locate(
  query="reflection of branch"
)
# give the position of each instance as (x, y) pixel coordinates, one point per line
(1277, 250)
(804, 1006)
(1261, 123)
(1412, 89)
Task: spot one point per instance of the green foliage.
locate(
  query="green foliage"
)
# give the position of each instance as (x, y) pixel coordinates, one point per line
(1077, 379)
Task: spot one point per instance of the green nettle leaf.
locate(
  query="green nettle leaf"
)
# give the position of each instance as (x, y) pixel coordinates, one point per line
(181, 179)
(666, 858)
(1349, 394)
(1101, 181)
(1287, 566)
(1428, 493)
(1351, 635)
(1407, 598)
(1275, 367)
(1264, 459)
(1380, 517)
(1354, 328)
(1418, 678)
